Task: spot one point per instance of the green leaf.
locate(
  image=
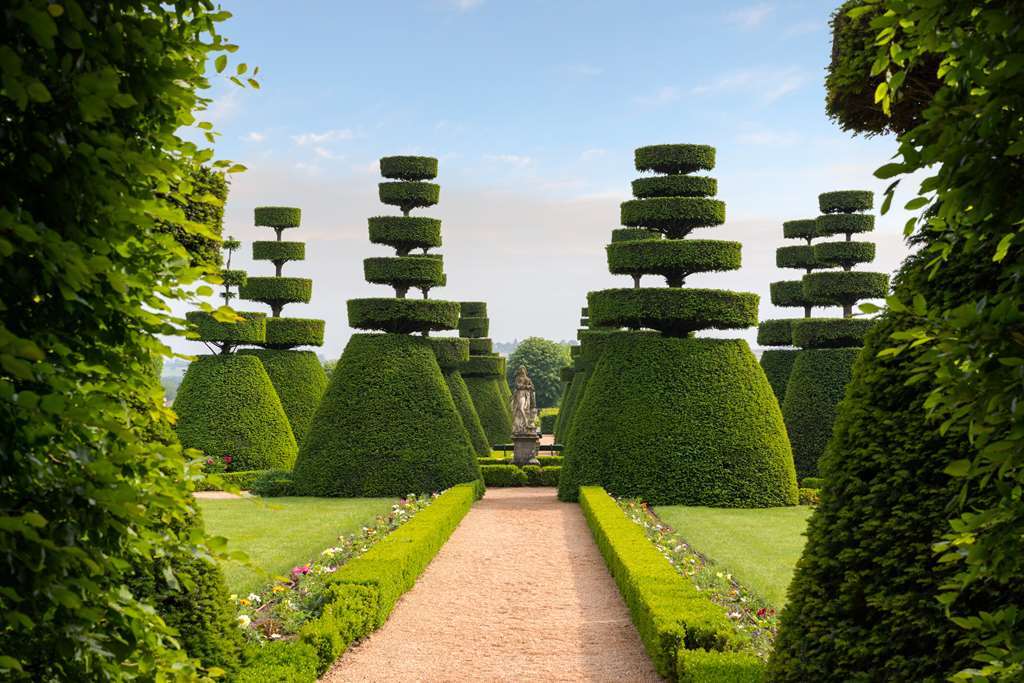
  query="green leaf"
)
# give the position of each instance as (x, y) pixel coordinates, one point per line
(220, 63)
(881, 91)
(10, 663)
(1003, 247)
(958, 468)
(890, 170)
(37, 92)
(916, 203)
(869, 308)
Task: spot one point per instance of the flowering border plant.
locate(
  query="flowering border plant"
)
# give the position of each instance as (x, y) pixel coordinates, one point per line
(749, 613)
(279, 610)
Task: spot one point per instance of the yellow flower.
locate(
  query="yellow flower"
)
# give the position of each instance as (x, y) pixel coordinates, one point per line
(279, 588)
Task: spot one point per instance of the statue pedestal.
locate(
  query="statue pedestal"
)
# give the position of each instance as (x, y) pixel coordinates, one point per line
(524, 449)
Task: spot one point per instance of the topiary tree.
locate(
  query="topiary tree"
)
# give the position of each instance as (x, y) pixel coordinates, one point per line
(484, 374)
(821, 369)
(452, 354)
(231, 278)
(543, 360)
(297, 376)
(387, 424)
(778, 363)
(666, 416)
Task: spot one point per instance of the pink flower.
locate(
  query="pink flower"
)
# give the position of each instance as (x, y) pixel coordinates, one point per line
(300, 570)
(227, 459)
(209, 461)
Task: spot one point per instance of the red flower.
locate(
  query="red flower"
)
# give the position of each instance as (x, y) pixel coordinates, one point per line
(227, 459)
(761, 612)
(209, 461)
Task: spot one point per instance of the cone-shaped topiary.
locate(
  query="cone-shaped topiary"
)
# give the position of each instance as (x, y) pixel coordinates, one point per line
(778, 363)
(668, 417)
(582, 364)
(451, 354)
(484, 374)
(822, 368)
(298, 376)
(227, 406)
(388, 424)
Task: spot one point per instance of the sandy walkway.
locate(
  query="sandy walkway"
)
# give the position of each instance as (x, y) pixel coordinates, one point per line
(519, 593)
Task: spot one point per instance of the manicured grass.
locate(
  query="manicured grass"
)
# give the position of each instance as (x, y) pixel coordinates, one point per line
(760, 547)
(280, 533)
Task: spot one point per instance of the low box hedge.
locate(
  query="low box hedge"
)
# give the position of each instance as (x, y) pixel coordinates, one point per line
(506, 474)
(244, 480)
(547, 420)
(668, 611)
(544, 460)
(362, 593)
(701, 666)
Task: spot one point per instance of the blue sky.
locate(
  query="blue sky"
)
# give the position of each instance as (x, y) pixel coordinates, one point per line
(534, 109)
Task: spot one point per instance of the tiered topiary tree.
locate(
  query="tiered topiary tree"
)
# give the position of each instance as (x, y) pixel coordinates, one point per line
(226, 403)
(666, 416)
(778, 363)
(298, 376)
(484, 374)
(229, 277)
(828, 346)
(387, 424)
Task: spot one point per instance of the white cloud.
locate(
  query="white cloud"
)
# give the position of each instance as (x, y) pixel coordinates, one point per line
(769, 84)
(325, 153)
(664, 95)
(593, 153)
(334, 135)
(253, 136)
(511, 159)
(750, 17)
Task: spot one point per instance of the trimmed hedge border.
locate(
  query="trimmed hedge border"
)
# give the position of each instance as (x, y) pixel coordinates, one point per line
(701, 666)
(544, 460)
(403, 315)
(363, 593)
(669, 613)
(506, 475)
(405, 232)
(243, 480)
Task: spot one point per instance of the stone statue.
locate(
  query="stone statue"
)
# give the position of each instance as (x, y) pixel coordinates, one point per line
(525, 436)
(524, 404)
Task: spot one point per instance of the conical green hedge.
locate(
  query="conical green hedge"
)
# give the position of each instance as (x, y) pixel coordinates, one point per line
(388, 424)
(822, 368)
(668, 417)
(451, 354)
(484, 374)
(298, 376)
(226, 405)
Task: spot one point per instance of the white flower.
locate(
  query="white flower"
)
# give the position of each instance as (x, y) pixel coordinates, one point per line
(244, 620)
(255, 598)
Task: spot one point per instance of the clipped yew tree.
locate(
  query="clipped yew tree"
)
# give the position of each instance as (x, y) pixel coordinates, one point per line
(828, 346)
(226, 404)
(778, 362)
(484, 374)
(387, 424)
(452, 354)
(667, 416)
(297, 376)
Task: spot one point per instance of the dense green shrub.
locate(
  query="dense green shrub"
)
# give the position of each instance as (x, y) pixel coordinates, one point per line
(823, 333)
(277, 291)
(408, 195)
(278, 217)
(701, 666)
(408, 167)
(675, 217)
(286, 333)
(243, 480)
(569, 403)
(543, 360)
(547, 420)
(491, 407)
(633, 234)
(539, 475)
(809, 496)
(673, 311)
(845, 288)
(386, 426)
(299, 380)
(668, 611)
(473, 309)
(693, 422)
(422, 271)
(798, 256)
(812, 482)
(481, 347)
(467, 411)
(402, 315)
(674, 259)
(777, 332)
(503, 475)
(844, 254)
(845, 224)
(473, 327)
(96, 100)
(817, 383)
(675, 186)
(675, 159)
(278, 251)
(227, 405)
(206, 207)
(273, 483)
(282, 661)
(778, 365)
(405, 233)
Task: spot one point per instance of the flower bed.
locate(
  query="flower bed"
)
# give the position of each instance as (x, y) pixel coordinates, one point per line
(751, 615)
(305, 621)
(688, 637)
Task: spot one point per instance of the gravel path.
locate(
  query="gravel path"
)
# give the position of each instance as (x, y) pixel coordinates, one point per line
(518, 593)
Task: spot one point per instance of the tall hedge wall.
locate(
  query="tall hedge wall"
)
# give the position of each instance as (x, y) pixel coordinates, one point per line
(227, 405)
(693, 422)
(386, 426)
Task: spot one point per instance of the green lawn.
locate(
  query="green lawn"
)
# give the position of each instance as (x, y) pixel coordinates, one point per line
(279, 533)
(760, 547)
